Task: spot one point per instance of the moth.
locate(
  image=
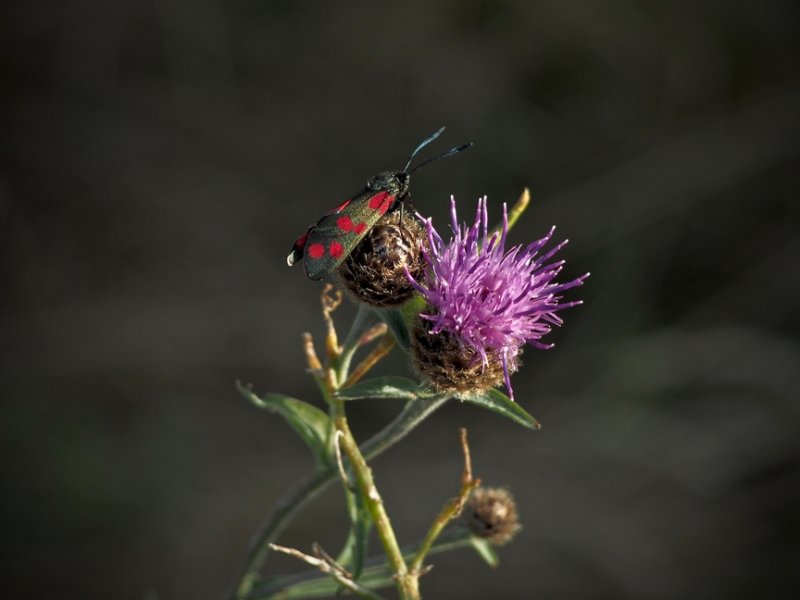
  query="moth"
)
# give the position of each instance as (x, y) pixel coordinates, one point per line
(326, 244)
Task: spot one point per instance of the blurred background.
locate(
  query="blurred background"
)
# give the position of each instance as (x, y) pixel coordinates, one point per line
(158, 159)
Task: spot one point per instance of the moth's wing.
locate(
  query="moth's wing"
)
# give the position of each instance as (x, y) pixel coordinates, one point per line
(299, 246)
(329, 242)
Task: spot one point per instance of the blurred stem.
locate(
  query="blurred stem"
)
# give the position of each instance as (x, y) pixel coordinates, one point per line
(330, 567)
(381, 350)
(516, 211)
(283, 512)
(351, 342)
(519, 207)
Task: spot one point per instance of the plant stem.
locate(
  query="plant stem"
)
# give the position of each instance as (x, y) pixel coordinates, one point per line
(519, 208)
(451, 509)
(376, 575)
(382, 349)
(413, 413)
(306, 490)
(406, 581)
(334, 570)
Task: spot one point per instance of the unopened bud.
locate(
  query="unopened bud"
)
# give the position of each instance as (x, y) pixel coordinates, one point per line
(491, 513)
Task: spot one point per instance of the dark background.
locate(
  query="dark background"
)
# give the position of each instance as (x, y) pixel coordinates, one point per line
(157, 159)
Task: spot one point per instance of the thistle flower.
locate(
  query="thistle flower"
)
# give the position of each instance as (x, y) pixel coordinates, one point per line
(488, 300)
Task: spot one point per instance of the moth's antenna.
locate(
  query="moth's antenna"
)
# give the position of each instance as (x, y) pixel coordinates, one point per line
(422, 144)
(450, 152)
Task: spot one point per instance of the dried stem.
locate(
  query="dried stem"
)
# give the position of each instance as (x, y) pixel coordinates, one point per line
(311, 355)
(326, 564)
(451, 510)
(381, 350)
(331, 300)
(373, 333)
(339, 462)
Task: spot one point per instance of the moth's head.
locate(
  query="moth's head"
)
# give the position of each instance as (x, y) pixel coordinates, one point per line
(394, 182)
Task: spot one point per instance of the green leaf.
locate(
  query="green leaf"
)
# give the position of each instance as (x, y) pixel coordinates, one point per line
(361, 528)
(288, 587)
(397, 323)
(308, 421)
(500, 403)
(314, 584)
(381, 387)
(412, 309)
(485, 550)
(354, 553)
(376, 575)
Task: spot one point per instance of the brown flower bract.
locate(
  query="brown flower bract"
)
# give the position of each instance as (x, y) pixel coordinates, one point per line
(491, 513)
(450, 366)
(374, 271)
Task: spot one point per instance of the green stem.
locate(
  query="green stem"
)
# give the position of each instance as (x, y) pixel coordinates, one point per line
(452, 508)
(351, 342)
(415, 564)
(376, 575)
(282, 514)
(519, 207)
(374, 504)
(413, 413)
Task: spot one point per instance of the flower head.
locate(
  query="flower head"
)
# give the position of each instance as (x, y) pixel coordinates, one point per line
(375, 271)
(491, 513)
(491, 300)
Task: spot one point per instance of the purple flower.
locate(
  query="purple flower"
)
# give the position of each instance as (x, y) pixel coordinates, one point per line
(490, 299)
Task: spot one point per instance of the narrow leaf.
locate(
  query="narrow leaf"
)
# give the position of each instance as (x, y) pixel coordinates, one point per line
(376, 575)
(361, 528)
(354, 553)
(308, 421)
(381, 387)
(318, 585)
(485, 550)
(498, 402)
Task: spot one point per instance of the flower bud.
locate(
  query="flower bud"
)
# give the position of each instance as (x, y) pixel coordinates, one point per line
(491, 513)
(374, 272)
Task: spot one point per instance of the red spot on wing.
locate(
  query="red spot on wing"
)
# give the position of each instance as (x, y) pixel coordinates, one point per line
(387, 202)
(359, 228)
(344, 223)
(340, 208)
(300, 242)
(316, 251)
(336, 250)
(377, 200)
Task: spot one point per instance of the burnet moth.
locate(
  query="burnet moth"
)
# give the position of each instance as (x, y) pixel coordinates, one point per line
(325, 245)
